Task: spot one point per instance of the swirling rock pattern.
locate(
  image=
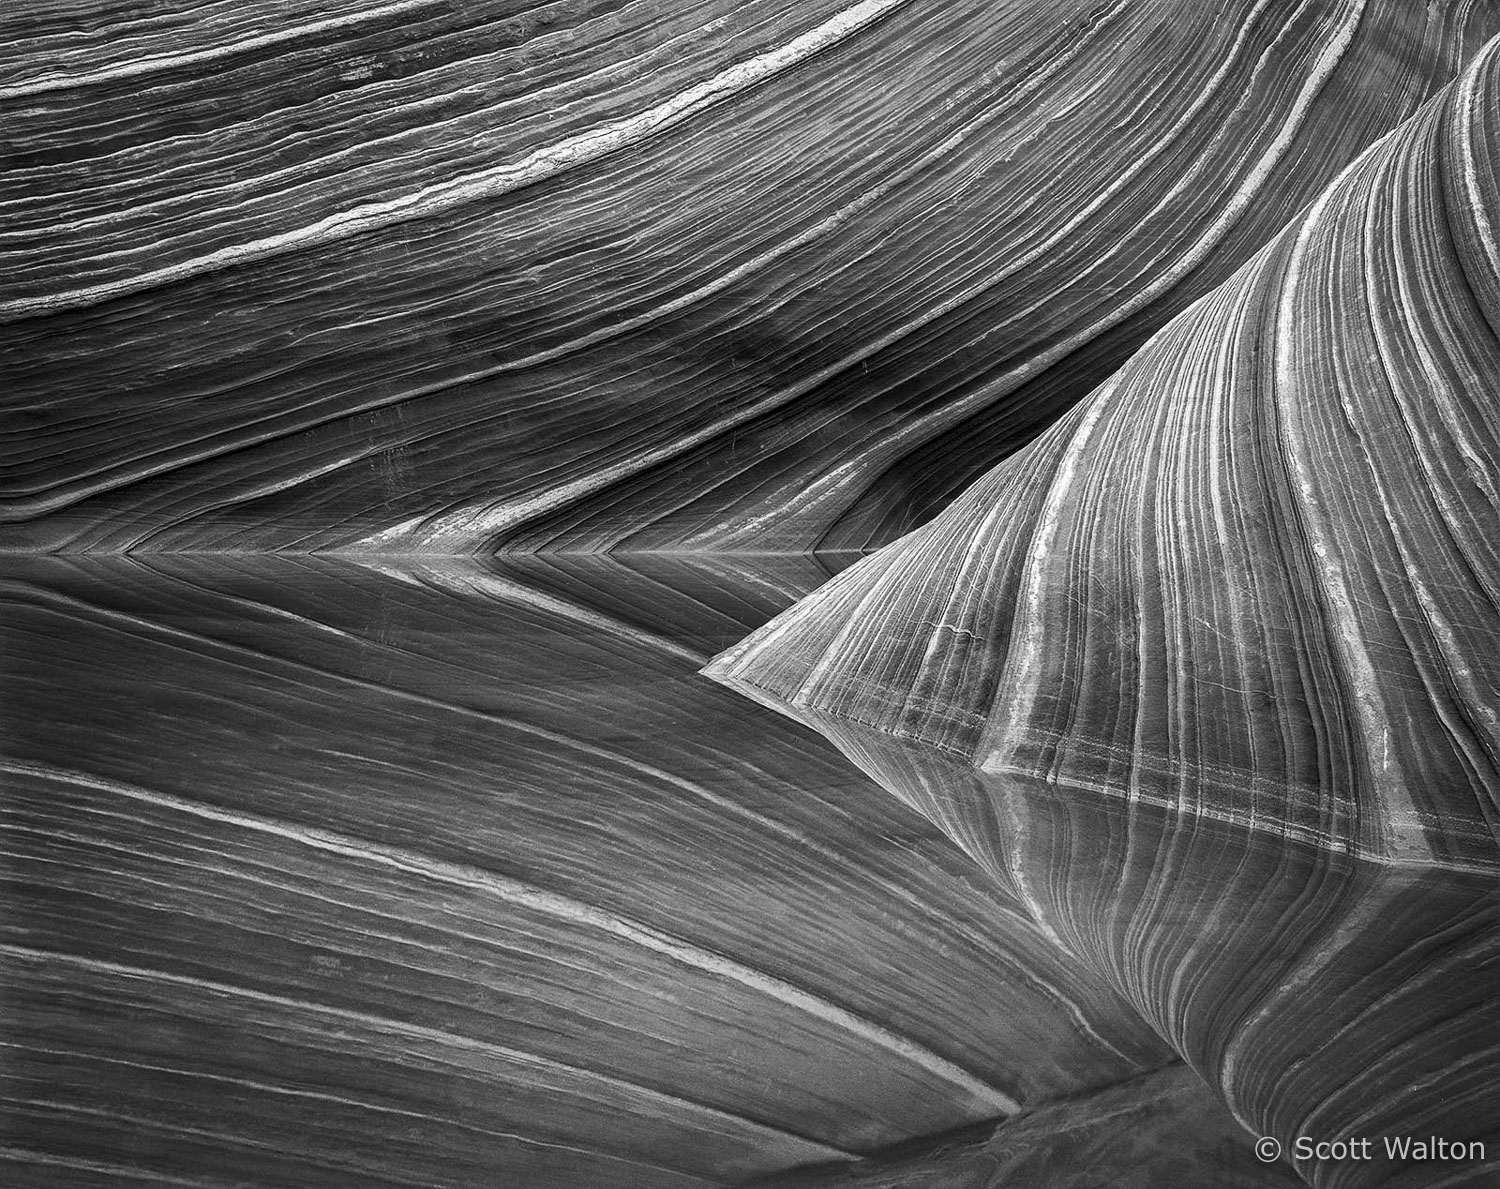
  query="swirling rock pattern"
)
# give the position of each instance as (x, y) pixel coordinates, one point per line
(411, 276)
(1208, 675)
(318, 876)
(413, 869)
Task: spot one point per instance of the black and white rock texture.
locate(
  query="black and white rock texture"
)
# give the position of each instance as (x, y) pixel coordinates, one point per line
(402, 405)
(760, 276)
(320, 876)
(1209, 675)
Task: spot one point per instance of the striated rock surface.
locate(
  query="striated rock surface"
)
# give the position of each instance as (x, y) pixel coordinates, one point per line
(416, 276)
(317, 876)
(1259, 559)
(1207, 676)
(436, 871)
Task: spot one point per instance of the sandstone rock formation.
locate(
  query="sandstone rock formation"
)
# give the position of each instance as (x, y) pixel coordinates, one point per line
(404, 401)
(1209, 675)
(316, 873)
(715, 275)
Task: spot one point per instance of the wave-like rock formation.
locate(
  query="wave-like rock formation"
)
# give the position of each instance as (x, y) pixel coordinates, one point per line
(406, 868)
(317, 876)
(1207, 675)
(415, 276)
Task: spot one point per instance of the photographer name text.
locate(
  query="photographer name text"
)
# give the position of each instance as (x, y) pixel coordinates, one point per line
(1391, 1147)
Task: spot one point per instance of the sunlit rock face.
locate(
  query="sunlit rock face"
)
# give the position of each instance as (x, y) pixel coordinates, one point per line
(1207, 676)
(707, 275)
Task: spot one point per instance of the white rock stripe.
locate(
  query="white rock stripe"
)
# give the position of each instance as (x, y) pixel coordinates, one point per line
(1400, 824)
(921, 429)
(315, 1096)
(1468, 103)
(544, 163)
(59, 81)
(394, 1027)
(514, 891)
(104, 1168)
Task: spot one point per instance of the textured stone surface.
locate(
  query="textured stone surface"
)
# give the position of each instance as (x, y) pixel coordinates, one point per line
(1259, 560)
(413, 869)
(1208, 675)
(317, 874)
(705, 275)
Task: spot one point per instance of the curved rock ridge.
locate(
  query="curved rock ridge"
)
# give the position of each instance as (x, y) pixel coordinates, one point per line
(1206, 676)
(1255, 576)
(410, 277)
(318, 876)
(1318, 994)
